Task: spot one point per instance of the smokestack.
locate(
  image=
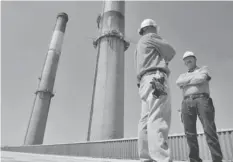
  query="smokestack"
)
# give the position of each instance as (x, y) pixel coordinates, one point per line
(107, 112)
(36, 127)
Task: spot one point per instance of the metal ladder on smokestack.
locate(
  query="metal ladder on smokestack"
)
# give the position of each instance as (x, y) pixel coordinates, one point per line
(99, 26)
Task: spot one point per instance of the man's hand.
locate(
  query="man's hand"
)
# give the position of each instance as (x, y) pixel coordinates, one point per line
(183, 80)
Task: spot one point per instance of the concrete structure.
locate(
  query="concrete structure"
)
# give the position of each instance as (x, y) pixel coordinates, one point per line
(19, 157)
(36, 127)
(126, 149)
(107, 112)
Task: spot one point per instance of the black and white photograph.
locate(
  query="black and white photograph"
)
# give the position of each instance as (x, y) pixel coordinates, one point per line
(116, 81)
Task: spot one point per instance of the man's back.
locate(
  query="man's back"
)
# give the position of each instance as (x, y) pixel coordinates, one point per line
(152, 52)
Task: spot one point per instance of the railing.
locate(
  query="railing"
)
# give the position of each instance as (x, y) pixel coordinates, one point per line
(127, 148)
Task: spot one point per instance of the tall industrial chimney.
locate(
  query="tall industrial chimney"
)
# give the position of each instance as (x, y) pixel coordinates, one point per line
(36, 127)
(107, 112)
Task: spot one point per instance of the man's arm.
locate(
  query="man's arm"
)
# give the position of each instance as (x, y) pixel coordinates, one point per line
(201, 76)
(135, 65)
(164, 49)
(183, 80)
(135, 60)
(169, 52)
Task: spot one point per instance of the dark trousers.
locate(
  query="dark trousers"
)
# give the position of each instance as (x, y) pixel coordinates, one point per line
(203, 108)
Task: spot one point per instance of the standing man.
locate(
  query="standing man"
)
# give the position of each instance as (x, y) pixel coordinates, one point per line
(197, 102)
(152, 56)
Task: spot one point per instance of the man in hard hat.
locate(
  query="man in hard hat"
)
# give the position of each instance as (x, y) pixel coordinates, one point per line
(152, 57)
(197, 102)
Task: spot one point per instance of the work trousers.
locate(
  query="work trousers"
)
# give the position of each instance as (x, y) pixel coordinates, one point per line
(203, 108)
(154, 123)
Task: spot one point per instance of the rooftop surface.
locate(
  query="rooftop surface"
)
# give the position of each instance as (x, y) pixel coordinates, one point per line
(27, 157)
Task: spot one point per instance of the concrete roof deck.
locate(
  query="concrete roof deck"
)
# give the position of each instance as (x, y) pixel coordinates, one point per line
(7, 156)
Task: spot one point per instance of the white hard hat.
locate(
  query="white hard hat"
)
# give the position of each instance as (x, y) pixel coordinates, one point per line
(188, 53)
(145, 23)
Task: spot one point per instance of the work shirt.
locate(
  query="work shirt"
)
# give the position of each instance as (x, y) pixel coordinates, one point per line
(152, 53)
(194, 82)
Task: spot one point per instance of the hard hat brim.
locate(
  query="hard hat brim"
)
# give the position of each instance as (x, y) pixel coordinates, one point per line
(189, 56)
(141, 29)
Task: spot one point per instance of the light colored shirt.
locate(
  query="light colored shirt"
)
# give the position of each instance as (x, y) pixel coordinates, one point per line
(194, 82)
(152, 53)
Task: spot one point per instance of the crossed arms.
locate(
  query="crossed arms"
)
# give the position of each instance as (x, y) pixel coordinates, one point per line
(162, 47)
(195, 78)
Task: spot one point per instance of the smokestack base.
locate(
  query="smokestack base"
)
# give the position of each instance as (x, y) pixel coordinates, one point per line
(64, 15)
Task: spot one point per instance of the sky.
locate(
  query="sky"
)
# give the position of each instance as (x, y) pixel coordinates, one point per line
(26, 29)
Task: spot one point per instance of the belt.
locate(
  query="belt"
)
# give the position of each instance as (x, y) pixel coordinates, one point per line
(149, 72)
(153, 71)
(194, 96)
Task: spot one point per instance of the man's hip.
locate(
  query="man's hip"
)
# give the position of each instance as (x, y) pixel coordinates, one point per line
(195, 96)
(163, 72)
(155, 83)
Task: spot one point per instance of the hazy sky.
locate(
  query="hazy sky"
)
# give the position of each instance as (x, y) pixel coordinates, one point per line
(206, 28)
